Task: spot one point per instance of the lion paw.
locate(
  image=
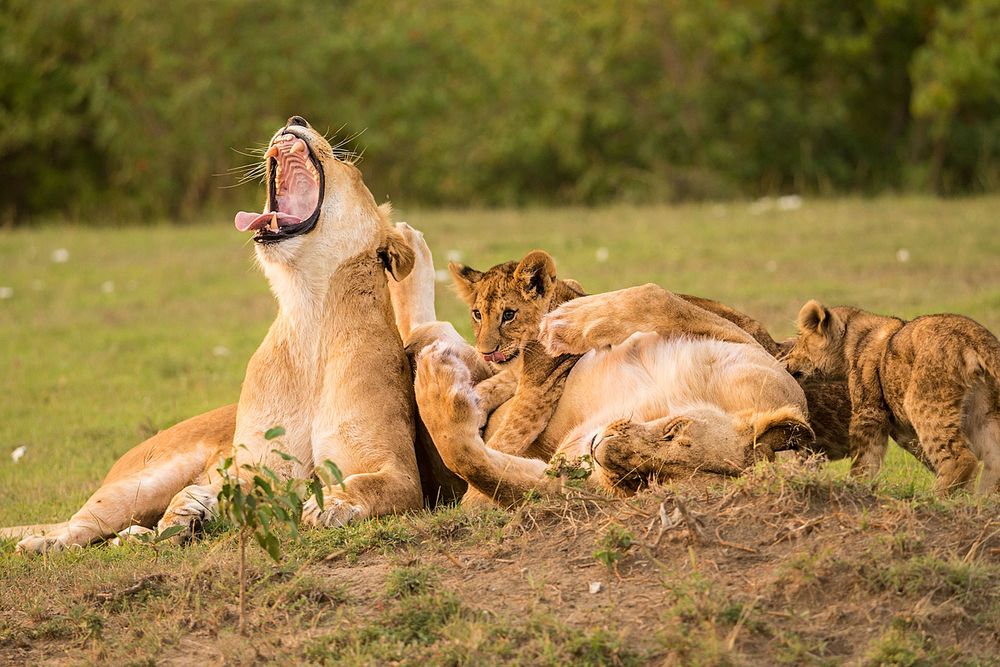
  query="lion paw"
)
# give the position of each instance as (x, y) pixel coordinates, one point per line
(335, 513)
(191, 507)
(578, 326)
(129, 535)
(42, 544)
(444, 391)
(415, 239)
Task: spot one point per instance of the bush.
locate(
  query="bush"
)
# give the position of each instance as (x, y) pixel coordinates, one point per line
(130, 110)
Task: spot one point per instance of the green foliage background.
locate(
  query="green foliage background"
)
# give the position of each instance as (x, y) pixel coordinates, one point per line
(129, 110)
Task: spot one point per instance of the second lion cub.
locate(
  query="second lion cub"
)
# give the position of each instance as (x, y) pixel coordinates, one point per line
(935, 380)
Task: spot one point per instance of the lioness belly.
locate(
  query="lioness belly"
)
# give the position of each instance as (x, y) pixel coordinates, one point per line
(649, 376)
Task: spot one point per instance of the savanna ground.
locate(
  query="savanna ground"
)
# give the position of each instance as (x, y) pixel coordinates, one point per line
(141, 327)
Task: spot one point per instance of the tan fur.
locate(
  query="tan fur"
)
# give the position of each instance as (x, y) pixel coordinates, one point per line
(935, 380)
(692, 368)
(331, 371)
(506, 304)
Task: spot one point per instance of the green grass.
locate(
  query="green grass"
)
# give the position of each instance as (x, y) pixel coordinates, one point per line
(88, 372)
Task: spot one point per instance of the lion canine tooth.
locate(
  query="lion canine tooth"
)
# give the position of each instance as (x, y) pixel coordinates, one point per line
(297, 146)
(274, 223)
(271, 152)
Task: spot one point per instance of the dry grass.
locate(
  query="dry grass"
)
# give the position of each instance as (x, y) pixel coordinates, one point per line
(787, 566)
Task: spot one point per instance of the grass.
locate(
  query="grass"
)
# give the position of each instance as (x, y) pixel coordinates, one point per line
(142, 327)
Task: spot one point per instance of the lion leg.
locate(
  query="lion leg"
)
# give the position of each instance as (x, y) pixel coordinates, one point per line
(141, 484)
(17, 532)
(451, 414)
(413, 297)
(138, 499)
(938, 421)
(603, 320)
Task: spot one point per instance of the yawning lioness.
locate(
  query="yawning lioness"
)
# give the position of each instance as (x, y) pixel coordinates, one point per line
(331, 369)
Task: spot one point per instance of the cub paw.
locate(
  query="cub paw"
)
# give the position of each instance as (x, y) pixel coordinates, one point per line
(190, 508)
(335, 513)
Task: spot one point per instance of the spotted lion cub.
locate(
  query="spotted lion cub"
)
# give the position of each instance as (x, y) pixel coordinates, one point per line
(934, 380)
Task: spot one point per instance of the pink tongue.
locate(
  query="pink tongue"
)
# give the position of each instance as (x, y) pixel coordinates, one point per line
(246, 221)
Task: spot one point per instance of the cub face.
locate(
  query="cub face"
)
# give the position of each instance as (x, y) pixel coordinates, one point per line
(819, 348)
(506, 303)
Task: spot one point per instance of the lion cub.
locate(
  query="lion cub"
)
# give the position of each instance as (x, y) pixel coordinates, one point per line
(507, 304)
(935, 380)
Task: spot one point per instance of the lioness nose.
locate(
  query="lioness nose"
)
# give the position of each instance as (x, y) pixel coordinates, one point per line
(297, 120)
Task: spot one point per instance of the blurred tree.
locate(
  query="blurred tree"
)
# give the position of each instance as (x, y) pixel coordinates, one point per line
(125, 110)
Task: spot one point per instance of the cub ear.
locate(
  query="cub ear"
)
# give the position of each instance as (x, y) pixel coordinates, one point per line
(465, 279)
(674, 428)
(535, 274)
(574, 286)
(397, 256)
(814, 316)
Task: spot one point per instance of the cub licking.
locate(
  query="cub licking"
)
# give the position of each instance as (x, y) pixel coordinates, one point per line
(933, 381)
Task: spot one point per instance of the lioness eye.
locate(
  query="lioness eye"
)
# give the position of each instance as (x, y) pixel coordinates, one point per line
(476, 315)
(508, 315)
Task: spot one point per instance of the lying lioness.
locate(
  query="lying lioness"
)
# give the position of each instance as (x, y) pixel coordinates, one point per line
(695, 392)
(331, 369)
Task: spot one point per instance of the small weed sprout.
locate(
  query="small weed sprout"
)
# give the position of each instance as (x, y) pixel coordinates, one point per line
(573, 472)
(617, 540)
(261, 504)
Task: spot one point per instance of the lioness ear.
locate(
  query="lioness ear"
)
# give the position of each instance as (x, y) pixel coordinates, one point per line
(465, 279)
(397, 256)
(674, 428)
(814, 316)
(535, 274)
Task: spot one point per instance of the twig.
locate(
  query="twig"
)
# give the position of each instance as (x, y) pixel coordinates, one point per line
(741, 547)
(980, 541)
(140, 585)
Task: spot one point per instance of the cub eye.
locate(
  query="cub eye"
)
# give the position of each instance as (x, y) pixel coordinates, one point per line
(476, 315)
(508, 315)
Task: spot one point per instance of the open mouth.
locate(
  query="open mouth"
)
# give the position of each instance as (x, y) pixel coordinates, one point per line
(501, 358)
(295, 185)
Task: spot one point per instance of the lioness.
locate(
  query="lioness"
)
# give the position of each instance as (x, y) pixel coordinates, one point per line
(933, 381)
(331, 369)
(697, 390)
(507, 304)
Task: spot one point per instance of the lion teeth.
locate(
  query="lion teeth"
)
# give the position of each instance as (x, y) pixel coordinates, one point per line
(273, 226)
(297, 147)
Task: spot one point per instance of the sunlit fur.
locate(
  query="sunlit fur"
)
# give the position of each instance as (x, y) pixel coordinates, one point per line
(331, 371)
(728, 395)
(932, 384)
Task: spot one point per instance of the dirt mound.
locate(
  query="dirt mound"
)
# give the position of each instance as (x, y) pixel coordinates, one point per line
(790, 564)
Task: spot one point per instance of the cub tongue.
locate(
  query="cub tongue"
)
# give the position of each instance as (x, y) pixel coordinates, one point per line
(247, 221)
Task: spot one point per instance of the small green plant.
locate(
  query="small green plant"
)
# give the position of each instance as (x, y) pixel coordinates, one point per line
(406, 581)
(259, 503)
(615, 542)
(572, 471)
